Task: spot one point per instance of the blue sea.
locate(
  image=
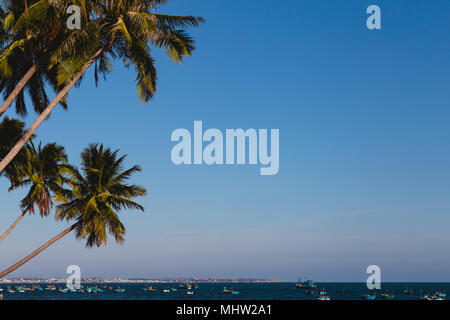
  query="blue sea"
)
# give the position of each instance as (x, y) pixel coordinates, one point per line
(214, 291)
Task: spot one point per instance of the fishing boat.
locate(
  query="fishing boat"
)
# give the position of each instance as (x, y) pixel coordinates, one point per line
(323, 298)
(408, 291)
(166, 290)
(439, 296)
(174, 289)
(225, 290)
(426, 297)
(149, 288)
(190, 292)
(119, 290)
(370, 296)
(186, 285)
(308, 284)
(388, 296)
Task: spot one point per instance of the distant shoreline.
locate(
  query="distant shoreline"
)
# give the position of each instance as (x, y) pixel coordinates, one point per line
(163, 280)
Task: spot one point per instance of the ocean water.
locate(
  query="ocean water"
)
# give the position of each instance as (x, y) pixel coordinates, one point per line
(214, 291)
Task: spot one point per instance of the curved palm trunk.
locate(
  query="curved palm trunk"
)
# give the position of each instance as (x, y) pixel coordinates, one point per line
(19, 145)
(3, 236)
(19, 87)
(37, 251)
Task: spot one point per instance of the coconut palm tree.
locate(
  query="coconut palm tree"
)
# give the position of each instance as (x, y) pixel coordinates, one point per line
(42, 173)
(10, 132)
(125, 29)
(95, 197)
(32, 30)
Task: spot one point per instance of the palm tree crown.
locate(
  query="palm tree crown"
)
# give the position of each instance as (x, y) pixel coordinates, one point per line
(30, 33)
(97, 194)
(42, 171)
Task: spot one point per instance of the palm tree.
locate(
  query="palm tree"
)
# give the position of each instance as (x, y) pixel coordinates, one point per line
(95, 197)
(124, 29)
(30, 31)
(42, 172)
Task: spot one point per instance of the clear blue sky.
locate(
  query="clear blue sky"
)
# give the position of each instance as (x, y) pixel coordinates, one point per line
(364, 149)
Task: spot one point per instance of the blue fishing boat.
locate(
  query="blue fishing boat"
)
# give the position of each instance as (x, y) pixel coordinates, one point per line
(370, 296)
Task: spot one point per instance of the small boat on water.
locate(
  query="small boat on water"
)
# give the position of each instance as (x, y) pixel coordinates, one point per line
(323, 295)
(439, 296)
(308, 284)
(150, 288)
(174, 289)
(408, 291)
(166, 290)
(388, 296)
(119, 290)
(186, 285)
(190, 292)
(426, 297)
(370, 296)
(228, 291)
